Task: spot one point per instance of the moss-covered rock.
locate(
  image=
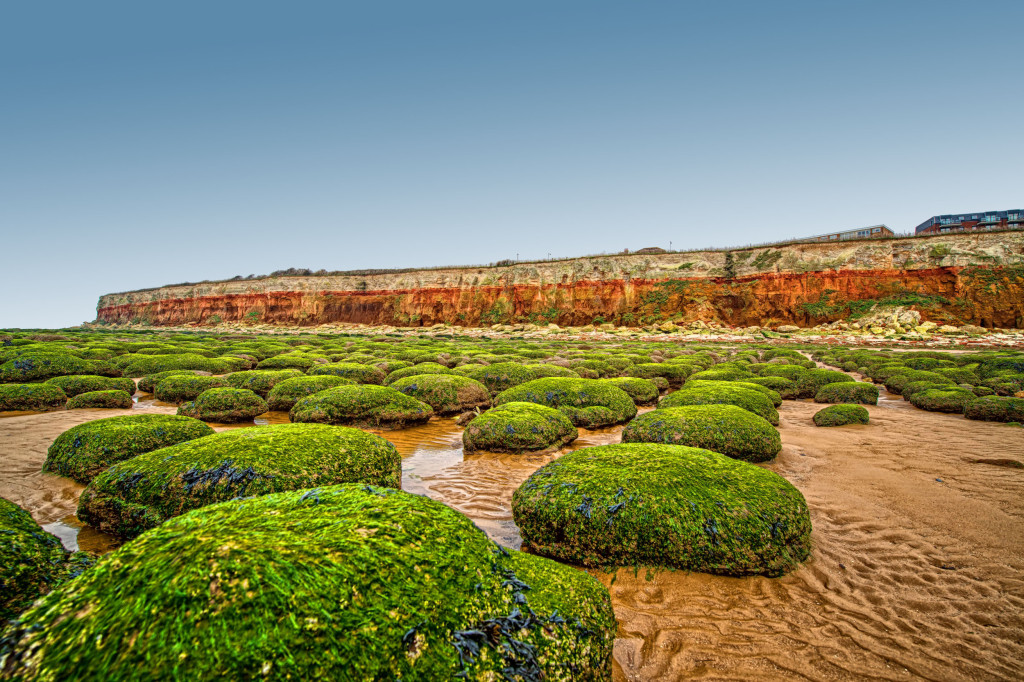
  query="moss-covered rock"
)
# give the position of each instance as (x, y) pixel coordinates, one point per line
(724, 393)
(500, 376)
(180, 388)
(38, 366)
(894, 383)
(141, 365)
(996, 409)
(446, 393)
(32, 562)
(34, 397)
(726, 429)
(422, 368)
(791, 372)
(589, 403)
(147, 384)
(917, 386)
(859, 392)
(283, 396)
(663, 505)
(784, 387)
(119, 400)
(146, 490)
(348, 582)
(76, 384)
(544, 370)
(674, 373)
(811, 381)
(260, 381)
(85, 450)
(225, 406)
(772, 395)
(365, 405)
(841, 415)
(952, 400)
(519, 427)
(361, 374)
(642, 391)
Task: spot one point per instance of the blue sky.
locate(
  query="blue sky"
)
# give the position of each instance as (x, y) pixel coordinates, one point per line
(142, 145)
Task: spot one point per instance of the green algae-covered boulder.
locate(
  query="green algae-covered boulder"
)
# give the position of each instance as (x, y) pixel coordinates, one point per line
(415, 370)
(771, 394)
(34, 397)
(260, 381)
(146, 490)
(36, 366)
(724, 393)
(32, 562)
(283, 396)
(225, 406)
(180, 388)
(365, 405)
(642, 391)
(347, 582)
(141, 365)
(841, 415)
(85, 450)
(784, 387)
(589, 403)
(446, 393)
(500, 375)
(544, 370)
(811, 381)
(121, 400)
(147, 384)
(995, 408)
(674, 373)
(727, 429)
(361, 374)
(895, 382)
(519, 427)
(858, 392)
(917, 386)
(952, 400)
(76, 384)
(663, 505)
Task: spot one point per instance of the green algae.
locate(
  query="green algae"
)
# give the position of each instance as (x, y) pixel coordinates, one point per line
(85, 450)
(361, 405)
(642, 391)
(663, 505)
(284, 395)
(347, 582)
(724, 393)
(180, 388)
(113, 399)
(996, 409)
(76, 384)
(146, 490)
(841, 415)
(951, 400)
(361, 374)
(589, 403)
(500, 376)
(422, 368)
(519, 427)
(848, 392)
(34, 397)
(446, 393)
(147, 384)
(225, 406)
(726, 429)
(261, 381)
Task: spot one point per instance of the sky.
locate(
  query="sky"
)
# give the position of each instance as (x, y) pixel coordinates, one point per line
(144, 144)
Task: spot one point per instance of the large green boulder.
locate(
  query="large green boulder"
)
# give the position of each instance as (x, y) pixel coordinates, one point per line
(663, 505)
(811, 381)
(225, 406)
(141, 365)
(85, 450)
(147, 384)
(674, 373)
(857, 392)
(32, 562)
(416, 370)
(142, 492)
(952, 400)
(895, 382)
(35, 366)
(366, 405)
(724, 393)
(348, 582)
(642, 391)
(769, 393)
(76, 384)
(283, 396)
(727, 429)
(589, 403)
(446, 393)
(499, 376)
(261, 381)
(361, 374)
(180, 388)
(120, 400)
(545, 370)
(994, 408)
(841, 415)
(519, 427)
(31, 397)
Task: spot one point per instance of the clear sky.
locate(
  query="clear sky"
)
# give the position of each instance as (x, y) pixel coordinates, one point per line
(151, 143)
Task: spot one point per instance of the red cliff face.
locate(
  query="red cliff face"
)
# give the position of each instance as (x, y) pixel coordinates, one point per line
(991, 297)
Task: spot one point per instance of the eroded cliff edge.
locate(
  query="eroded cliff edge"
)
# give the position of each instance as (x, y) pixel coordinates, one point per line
(964, 279)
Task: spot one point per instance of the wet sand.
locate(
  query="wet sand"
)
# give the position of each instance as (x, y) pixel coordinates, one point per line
(917, 570)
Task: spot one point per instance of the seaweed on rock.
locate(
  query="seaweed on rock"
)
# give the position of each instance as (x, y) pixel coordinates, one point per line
(446, 393)
(724, 393)
(589, 403)
(34, 397)
(848, 392)
(113, 399)
(75, 384)
(841, 415)
(284, 395)
(727, 429)
(225, 406)
(519, 427)
(362, 405)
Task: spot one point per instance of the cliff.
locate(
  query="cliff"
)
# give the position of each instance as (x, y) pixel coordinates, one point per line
(963, 278)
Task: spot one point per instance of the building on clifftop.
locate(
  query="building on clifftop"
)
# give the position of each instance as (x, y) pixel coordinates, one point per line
(985, 220)
(870, 232)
